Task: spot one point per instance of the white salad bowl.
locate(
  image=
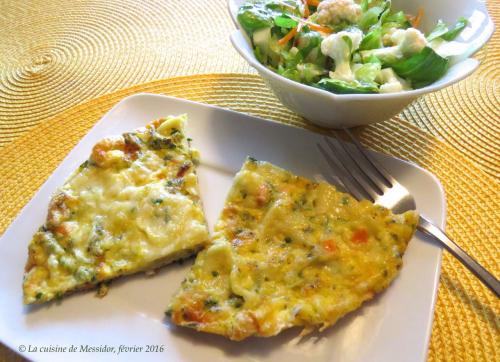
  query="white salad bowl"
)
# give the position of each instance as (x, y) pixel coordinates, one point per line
(349, 110)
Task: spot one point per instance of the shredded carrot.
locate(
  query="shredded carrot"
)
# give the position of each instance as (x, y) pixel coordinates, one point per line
(417, 19)
(313, 2)
(320, 28)
(306, 9)
(313, 26)
(288, 36)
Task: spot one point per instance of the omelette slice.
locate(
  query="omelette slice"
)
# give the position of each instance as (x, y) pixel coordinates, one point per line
(132, 206)
(289, 252)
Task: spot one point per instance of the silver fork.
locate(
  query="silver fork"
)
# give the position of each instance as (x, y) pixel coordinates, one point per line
(365, 178)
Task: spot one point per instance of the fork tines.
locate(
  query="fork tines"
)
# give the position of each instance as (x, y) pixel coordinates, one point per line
(361, 175)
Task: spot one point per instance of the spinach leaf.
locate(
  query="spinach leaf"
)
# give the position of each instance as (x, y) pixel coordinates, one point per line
(284, 21)
(342, 87)
(253, 18)
(422, 69)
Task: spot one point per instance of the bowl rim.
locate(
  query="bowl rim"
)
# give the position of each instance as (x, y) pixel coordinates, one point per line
(238, 35)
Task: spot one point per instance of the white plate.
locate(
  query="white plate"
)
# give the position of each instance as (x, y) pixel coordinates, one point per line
(395, 326)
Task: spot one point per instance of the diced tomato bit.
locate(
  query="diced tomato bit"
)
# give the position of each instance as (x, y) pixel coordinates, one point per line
(183, 169)
(161, 175)
(193, 315)
(61, 230)
(131, 149)
(330, 245)
(360, 236)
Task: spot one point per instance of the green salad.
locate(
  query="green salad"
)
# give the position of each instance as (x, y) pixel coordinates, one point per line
(347, 46)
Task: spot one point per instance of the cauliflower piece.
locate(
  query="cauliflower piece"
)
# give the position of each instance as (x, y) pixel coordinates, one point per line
(387, 38)
(407, 42)
(336, 11)
(339, 47)
(410, 41)
(390, 82)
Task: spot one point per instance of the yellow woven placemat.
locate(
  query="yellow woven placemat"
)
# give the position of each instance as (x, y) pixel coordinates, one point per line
(59, 53)
(466, 321)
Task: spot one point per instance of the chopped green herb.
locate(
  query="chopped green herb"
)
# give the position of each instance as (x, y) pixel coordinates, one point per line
(157, 142)
(308, 229)
(84, 165)
(157, 201)
(288, 240)
(38, 295)
(236, 301)
(210, 303)
(246, 216)
(215, 273)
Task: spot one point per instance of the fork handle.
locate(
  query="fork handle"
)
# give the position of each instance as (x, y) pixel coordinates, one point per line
(481, 273)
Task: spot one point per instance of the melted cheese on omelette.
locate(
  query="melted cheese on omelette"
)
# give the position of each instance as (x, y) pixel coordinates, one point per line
(289, 252)
(132, 206)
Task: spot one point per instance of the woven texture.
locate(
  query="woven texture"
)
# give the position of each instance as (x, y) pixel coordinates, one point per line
(466, 321)
(66, 52)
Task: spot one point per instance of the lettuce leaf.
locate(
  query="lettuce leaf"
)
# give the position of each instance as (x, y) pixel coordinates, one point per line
(372, 40)
(442, 31)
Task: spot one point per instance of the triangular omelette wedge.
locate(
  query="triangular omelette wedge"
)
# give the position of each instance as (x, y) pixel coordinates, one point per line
(289, 252)
(133, 206)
